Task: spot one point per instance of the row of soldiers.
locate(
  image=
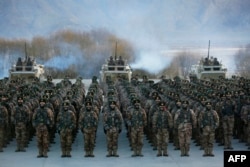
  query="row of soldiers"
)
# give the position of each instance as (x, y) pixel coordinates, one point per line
(169, 110)
(41, 109)
(196, 112)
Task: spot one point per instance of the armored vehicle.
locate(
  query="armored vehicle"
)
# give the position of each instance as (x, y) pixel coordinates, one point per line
(27, 70)
(115, 68)
(208, 68)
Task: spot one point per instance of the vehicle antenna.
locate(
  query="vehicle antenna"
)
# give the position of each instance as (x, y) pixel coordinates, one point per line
(208, 49)
(115, 50)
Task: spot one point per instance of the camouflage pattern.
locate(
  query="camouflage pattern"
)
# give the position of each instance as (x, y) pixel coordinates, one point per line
(162, 122)
(245, 116)
(185, 120)
(66, 123)
(209, 121)
(20, 118)
(42, 121)
(228, 110)
(112, 123)
(88, 122)
(4, 118)
(137, 120)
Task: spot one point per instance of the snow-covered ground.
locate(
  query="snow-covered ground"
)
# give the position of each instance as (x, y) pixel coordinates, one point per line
(10, 158)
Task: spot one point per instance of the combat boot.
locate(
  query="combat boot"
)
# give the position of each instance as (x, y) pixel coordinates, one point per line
(210, 152)
(187, 151)
(182, 151)
(63, 153)
(91, 153)
(115, 153)
(45, 153)
(206, 152)
(40, 154)
(139, 153)
(109, 153)
(68, 153)
(165, 152)
(135, 152)
(159, 153)
(86, 154)
(22, 149)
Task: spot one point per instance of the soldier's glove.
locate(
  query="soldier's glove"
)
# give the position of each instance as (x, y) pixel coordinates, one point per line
(58, 131)
(120, 131)
(82, 130)
(105, 131)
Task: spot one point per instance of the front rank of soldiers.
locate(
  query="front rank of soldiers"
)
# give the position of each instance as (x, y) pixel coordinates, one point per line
(42, 121)
(112, 122)
(88, 122)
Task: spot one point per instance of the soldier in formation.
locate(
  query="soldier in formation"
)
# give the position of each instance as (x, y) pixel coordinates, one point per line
(209, 121)
(112, 122)
(3, 124)
(245, 115)
(137, 120)
(42, 121)
(20, 118)
(162, 123)
(88, 122)
(66, 123)
(228, 111)
(185, 120)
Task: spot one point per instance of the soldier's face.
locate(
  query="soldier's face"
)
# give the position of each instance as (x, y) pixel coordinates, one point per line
(42, 104)
(137, 105)
(184, 105)
(3, 98)
(88, 107)
(20, 101)
(162, 108)
(112, 105)
(208, 107)
(65, 107)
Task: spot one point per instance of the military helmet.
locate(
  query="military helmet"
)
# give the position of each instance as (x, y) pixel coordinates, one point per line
(42, 100)
(208, 103)
(135, 101)
(157, 98)
(89, 103)
(162, 103)
(177, 101)
(185, 102)
(66, 103)
(112, 102)
(20, 97)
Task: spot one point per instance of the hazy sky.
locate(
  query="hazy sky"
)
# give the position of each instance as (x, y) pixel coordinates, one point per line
(153, 26)
(146, 21)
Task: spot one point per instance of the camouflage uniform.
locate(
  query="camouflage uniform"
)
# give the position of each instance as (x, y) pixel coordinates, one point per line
(162, 122)
(88, 122)
(112, 122)
(228, 110)
(20, 117)
(3, 123)
(42, 121)
(152, 110)
(184, 119)
(209, 121)
(137, 120)
(175, 128)
(66, 123)
(9, 128)
(245, 116)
